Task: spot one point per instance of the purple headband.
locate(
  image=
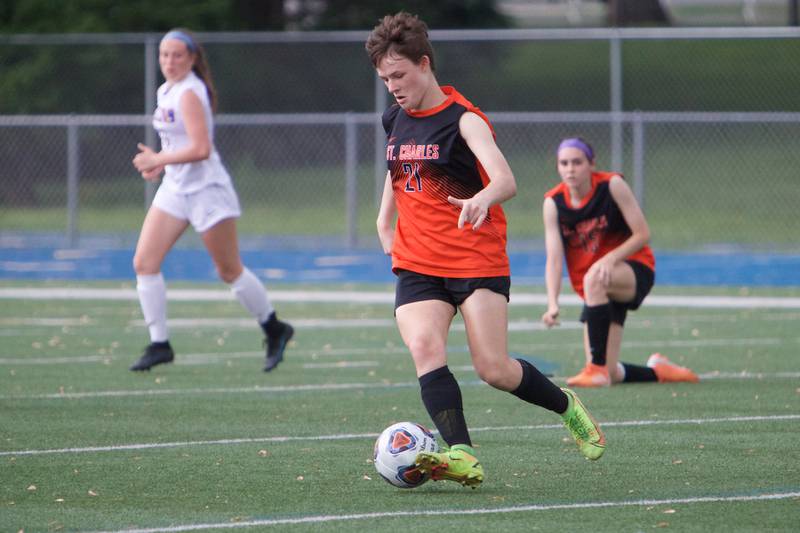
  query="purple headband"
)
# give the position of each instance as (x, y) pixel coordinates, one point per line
(574, 142)
(183, 37)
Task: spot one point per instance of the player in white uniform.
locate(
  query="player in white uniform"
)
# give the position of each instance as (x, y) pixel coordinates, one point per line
(196, 190)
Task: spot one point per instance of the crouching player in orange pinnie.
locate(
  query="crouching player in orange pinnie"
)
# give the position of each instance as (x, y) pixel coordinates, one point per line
(593, 219)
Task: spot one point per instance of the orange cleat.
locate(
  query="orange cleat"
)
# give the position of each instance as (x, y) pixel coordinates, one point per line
(592, 375)
(668, 372)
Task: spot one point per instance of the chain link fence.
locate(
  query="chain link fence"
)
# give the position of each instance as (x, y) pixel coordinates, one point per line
(702, 122)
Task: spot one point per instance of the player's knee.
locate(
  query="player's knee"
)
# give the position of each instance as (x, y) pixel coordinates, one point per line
(493, 374)
(229, 273)
(424, 349)
(593, 284)
(143, 266)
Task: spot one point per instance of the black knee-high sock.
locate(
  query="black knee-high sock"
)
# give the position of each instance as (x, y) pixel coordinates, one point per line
(535, 388)
(442, 398)
(638, 373)
(598, 320)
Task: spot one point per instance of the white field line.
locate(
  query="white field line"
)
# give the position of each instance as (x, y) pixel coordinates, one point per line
(343, 364)
(707, 376)
(518, 349)
(299, 323)
(749, 375)
(20, 361)
(701, 343)
(53, 322)
(231, 390)
(354, 436)
(323, 323)
(335, 323)
(193, 295)
(329, 387)
(416, 513)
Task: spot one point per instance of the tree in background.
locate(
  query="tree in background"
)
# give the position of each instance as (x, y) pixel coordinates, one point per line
(636, 13)
(75, 16)
(46, 16)
(364, 14)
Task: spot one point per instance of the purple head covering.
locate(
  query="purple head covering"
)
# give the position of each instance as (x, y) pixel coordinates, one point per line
(575, 142)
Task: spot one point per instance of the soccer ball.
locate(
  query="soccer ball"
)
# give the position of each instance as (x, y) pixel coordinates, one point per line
(397, 448)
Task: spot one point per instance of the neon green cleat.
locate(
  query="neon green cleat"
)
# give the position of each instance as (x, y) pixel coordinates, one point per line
(456, 464)
(585, 430)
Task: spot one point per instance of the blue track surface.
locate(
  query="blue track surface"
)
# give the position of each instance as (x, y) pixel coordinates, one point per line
(189, 264)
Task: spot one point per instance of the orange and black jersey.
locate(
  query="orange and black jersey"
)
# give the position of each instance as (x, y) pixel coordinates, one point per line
(428, 161)
(593, 228)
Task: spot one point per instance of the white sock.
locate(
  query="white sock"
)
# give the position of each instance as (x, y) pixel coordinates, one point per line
(153, 299)
(252, 295)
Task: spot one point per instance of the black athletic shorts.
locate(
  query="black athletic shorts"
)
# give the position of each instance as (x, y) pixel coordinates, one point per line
(645, 278)
(415, 287)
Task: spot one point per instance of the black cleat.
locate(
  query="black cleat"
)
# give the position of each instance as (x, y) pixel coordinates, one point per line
(276, 344)
(154, 354)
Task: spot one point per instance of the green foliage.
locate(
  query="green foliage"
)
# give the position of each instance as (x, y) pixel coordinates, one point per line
(734, 75)
(72, 79)
(91, 16)
(443, 14)
(711, 75)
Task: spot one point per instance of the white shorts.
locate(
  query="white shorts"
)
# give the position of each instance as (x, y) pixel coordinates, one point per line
(203, 208)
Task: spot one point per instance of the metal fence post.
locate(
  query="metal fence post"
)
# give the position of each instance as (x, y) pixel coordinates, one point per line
(380, 136)
(73, 166)
(615, 73)
(638, 158)
(351, 178)
(149, 106)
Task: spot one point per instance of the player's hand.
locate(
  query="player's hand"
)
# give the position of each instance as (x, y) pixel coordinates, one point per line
(386, 236)
(152, 174)
(602, 269)
(145, 160)
(550, 317)
(473, 211)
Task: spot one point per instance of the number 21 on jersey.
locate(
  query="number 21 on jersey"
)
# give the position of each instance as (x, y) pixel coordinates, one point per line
(413, 179)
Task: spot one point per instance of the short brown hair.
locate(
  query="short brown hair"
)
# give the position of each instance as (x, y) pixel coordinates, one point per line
(404, 34)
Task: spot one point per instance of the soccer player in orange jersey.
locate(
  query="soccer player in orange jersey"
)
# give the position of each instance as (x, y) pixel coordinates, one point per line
(441, 221)
(594, 221)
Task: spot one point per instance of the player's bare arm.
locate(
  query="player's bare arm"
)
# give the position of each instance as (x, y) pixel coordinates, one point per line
(554, 264)
(640, 232)
(386, 216)
(502, 185)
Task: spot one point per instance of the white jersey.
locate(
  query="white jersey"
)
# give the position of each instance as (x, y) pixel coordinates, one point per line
(168, 121)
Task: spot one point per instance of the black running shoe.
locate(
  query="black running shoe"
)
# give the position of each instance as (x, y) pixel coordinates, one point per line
(276, 344)
(154, 354)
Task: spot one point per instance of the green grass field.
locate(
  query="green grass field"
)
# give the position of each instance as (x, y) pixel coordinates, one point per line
(211, 442)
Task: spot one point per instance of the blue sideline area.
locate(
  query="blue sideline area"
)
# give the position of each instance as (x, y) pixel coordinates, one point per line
(101, 262)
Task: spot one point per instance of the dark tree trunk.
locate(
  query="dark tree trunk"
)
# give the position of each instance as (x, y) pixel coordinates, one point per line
(261, 14)
(637, 13)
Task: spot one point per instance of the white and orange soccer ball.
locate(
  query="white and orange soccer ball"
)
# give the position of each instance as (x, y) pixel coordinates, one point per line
(397, 448)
